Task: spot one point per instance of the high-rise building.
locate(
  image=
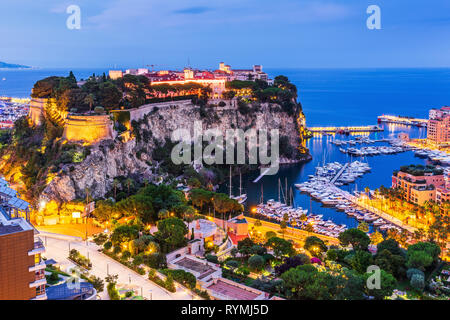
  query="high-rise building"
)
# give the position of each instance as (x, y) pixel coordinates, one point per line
(438, 131)
(22, 274)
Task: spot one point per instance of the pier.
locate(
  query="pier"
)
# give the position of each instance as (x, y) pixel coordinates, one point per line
(350, 129)
(339, 174)
(416, 122)
(261, 175)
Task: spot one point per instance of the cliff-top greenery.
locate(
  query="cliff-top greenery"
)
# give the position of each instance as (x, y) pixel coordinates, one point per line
(133, 91)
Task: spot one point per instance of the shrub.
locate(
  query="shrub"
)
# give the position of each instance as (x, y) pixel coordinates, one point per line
(169, 284)
(232, 264)
(99, 110)
(212, 258)
(126, 255)
(332, 255)
(54, 277)
(138, 260)
(100, 239)
(107, 245)
(112, 291)
(185, 278)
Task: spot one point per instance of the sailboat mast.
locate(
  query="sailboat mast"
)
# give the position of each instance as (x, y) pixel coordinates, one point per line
(240, 183)
(230, 181)
(262, 193)
(291, 196)
(279, 187)
(286, 194)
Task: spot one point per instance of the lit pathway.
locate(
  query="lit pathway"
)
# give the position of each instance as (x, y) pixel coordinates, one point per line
(374, 210)
(58, 250)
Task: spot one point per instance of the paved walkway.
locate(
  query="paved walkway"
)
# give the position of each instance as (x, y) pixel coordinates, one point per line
(374, 210)
(58, 249)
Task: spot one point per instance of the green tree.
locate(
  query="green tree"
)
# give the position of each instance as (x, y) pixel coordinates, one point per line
(387, 285)
(245, 246)
(124, 234)
(172, 231)
(256, 262)
(306, 283)
(140, 206)
(361, 260)
(280, 247)
(358, 239)
(418, 282)
(419, 260)
(315, 246)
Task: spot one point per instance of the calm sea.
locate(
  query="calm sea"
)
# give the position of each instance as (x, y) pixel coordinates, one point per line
(329, 97)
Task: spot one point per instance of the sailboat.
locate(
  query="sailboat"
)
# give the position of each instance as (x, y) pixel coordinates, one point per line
(241, 198)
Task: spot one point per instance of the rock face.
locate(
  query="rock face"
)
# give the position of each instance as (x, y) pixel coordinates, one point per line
(113, 158)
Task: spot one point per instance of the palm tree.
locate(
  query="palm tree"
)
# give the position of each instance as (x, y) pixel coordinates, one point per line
(129, 182)
(309, 228)
(283, 226)
(90, 100)
(116, 183)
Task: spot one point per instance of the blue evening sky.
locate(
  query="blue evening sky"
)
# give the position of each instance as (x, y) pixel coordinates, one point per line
(275, 33)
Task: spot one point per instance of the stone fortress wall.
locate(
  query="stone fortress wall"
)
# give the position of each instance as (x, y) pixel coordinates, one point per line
(88, 129)
(37, 110)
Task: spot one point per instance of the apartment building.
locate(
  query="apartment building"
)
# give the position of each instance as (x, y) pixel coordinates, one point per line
(21, 266)
(22, 274)
(438, 130)
(419, 184)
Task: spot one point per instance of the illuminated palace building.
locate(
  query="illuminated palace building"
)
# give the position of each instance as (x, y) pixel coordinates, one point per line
(438, 131)
(421, 184)
(215, 79)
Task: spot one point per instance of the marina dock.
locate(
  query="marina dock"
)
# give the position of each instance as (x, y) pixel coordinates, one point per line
(416, 122)
(345, 130)
(339, 174)
(261, 175)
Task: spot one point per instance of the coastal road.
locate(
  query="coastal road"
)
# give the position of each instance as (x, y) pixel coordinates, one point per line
(58, 249)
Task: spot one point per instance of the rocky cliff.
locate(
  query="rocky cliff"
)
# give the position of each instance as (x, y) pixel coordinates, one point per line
(133, 156)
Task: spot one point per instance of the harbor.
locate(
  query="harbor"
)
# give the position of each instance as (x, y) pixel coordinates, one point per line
(342, 206)
(12, 109)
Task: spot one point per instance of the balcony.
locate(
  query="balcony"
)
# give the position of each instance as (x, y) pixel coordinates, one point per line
(42, 296)
(37, 248)
(38, 282)
(38, 266)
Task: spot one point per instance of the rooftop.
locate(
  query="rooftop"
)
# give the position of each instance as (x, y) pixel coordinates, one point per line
(420, 170)
(233, 291)
(196, 266)
(7, 229)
